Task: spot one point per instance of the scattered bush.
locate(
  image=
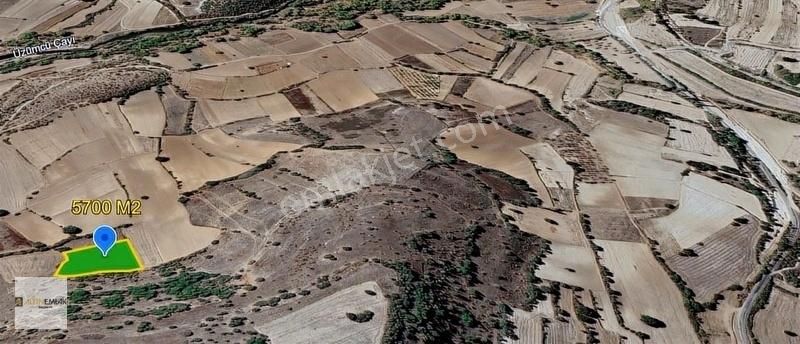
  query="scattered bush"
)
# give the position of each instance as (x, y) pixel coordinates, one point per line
(652, 322)
(360, 317)
(72, 230)
(145, 326)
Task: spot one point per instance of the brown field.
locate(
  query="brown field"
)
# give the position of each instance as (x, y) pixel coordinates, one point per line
(706, 206)
(573, 265)
(215, 87)
(143, 13)
(770, 323)
(631, 146)
(35, 228)
(325, 60)
(661, 100)
(19, 177)
(738, 87)
(325, 320)
(496, 95)
(527, 10)
(145, 114)
(530, 329)
(16, 17)
(521, 65)
(727, 257)
(163, 232)
(753, 58)
(781, 138)
(703, 36)
(578, 31)
(398, 42)
(548, 224)
(613, 224)
(474, 62)
(173, 60)
(645, 29)
(436, 34)
(43, 145)
(380, 80)
(771, 22)
(494, 147)
(599, 196)
(55, 198)
(221, 112)
(693, 142)
(39, 264)
(723, 11)
(80, 16)
(638, 277)
(367, 55)
(327, 87)
(107, 21)
(789, 32)
(221, 155)
(441, 63)
(552, 84)
(553, 169)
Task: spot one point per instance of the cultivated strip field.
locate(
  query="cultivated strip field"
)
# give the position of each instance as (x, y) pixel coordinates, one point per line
(638, 277)
(737, 87)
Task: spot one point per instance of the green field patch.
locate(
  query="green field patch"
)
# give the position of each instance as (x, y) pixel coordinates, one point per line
(86, 261)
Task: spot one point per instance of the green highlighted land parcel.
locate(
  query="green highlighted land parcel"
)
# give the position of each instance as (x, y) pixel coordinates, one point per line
(89, 260)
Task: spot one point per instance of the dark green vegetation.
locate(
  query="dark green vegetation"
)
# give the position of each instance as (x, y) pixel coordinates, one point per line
(33, 38)
(527, 37)
(586, 314)
(258, 339)
(72, 230)
(341, 15)
(360, 317)
(177, 283)
(180, 41)
(652, 322)
(251, 30)
(792, 277)
(787, 75)
(224, 8)
(420, 311)
(623, 106)
(145, 326)
(430, 306)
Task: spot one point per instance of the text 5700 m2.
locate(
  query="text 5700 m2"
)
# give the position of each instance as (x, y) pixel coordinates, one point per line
(125, 207)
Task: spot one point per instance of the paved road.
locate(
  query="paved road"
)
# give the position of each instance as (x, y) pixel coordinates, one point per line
(608, 17)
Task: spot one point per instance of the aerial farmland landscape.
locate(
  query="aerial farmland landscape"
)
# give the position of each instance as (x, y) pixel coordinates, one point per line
(400, 171)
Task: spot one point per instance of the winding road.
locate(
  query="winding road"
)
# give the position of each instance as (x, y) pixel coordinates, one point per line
(609, 19)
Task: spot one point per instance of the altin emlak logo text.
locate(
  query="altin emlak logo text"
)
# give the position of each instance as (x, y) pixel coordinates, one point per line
(38, 301)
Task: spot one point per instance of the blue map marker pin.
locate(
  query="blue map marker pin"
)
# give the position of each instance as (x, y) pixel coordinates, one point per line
(104, 238)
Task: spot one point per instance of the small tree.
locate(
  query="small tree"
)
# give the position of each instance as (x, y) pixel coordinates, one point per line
(72, 230)
(360, 317)
(259, 339)
(145, 326)
(467, 319)
(652, 322)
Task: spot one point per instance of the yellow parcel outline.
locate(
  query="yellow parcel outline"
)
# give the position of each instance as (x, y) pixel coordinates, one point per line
(65, 259)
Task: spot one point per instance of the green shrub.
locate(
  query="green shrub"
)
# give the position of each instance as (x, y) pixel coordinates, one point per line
(360, 317)
(652, 322)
